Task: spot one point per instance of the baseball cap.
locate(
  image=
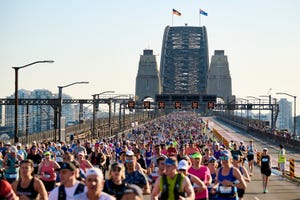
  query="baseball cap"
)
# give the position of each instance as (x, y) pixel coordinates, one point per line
(129, 153)
(265, 149)
(225, 154)
(196, 155)
(183, 164)
(94, 171)
(47, 153)
(116, 164)
(81, 153)
(13, 149)
(68, 165)
(170, 161)
(18, 144)
(7, 144)
(212, 159)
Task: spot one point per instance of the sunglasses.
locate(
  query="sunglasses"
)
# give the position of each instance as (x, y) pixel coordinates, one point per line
(182, 170)
(224, 158)
(116, 169)
(129, 161)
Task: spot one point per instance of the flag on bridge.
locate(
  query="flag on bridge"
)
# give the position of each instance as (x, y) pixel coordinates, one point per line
(202, 12)
(176, 12)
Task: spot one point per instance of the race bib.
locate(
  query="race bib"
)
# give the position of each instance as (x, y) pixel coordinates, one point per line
(12, 176)
(225, 189)
(46, 175)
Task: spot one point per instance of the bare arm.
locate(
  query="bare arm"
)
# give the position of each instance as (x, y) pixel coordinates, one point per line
(199, 182)
(155, 190)
(188, 189)
(88, 164)
(40, 188)
(246, 174)
(242, 183)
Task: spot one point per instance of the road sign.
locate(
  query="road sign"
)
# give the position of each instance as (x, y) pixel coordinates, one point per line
(146, 104)
(161, 104)
(210, 105)
(195, 104)
(131, 104)
(177, 105)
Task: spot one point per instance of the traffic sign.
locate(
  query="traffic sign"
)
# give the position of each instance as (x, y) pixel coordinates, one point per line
(195, 104)
(177, 105)
(146, 104)
(161, 104)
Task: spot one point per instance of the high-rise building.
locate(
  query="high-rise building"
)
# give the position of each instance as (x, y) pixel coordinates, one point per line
(184, 60)
(285, 119)
(35, 118)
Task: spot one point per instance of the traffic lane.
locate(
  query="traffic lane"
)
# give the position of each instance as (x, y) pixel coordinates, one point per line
(237, 135)
(277, 189)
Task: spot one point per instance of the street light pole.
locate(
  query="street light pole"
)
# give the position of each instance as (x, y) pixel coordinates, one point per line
(60, 105)
(94, 109)
(16, 138)
(259, 101)
(283, 93)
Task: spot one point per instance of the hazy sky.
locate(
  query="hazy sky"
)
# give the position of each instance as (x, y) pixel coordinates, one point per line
(101, 41)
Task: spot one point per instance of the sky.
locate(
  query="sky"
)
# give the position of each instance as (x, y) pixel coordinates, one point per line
(101, 42)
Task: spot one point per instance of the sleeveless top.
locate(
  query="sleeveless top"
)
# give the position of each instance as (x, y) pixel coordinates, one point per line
(227, 190)
(12, 171)
(265, 162)
(171, 189)
(83, 165)
(250, 150)
(29, 191)
(49, 172)
(281, 156)
(96, 160)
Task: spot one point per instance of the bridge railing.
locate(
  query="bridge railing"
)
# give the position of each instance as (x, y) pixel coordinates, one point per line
(84, 130)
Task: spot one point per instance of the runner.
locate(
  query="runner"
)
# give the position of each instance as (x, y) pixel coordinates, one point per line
(94, 185)
(28, 186)
(47, 171)
(251, 151)
(172, 185)
(265, 169)
(115, 184)
(69, 186)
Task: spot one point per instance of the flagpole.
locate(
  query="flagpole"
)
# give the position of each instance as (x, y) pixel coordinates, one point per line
(199, 18)
(172, 18)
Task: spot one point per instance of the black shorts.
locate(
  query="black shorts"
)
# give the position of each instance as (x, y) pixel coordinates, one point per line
(241, 192)
(250, 157)
(266, 172)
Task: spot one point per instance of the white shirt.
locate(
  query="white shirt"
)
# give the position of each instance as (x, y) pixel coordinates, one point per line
(103, 196)
(69, 192)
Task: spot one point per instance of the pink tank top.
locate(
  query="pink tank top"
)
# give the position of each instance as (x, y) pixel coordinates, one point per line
(48, 172)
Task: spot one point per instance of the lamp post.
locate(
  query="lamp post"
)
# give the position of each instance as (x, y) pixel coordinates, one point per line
(283, 93)
(110, 100)
(259, 100)
(94, 109)
(271, 106)
(60, 106)
(16, 138)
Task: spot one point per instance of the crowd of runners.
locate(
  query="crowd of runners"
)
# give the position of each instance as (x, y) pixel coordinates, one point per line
(172, 157)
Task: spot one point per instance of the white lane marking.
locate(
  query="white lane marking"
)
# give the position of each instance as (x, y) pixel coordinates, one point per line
(256, 198)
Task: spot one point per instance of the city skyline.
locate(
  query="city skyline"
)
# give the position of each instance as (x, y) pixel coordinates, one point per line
(101, 43)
